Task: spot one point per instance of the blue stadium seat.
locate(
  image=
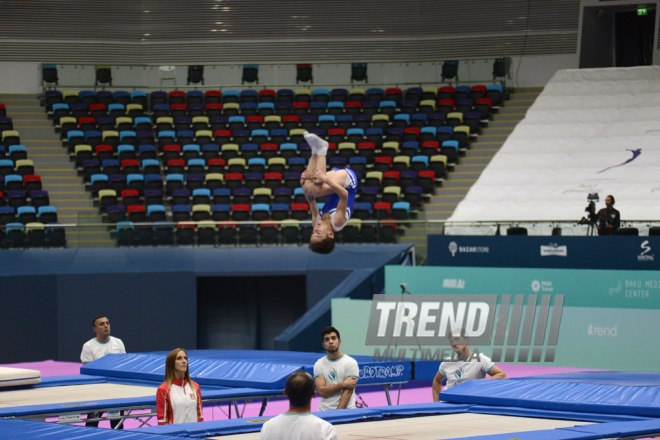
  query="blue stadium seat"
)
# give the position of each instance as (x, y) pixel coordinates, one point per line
(47, 214)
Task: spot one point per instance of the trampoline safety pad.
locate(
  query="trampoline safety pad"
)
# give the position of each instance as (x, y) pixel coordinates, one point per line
(447, 426)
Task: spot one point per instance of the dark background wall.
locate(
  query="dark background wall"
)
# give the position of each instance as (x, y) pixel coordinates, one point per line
(246, 296)
(28, 318)
(147, 311)
(247, 312)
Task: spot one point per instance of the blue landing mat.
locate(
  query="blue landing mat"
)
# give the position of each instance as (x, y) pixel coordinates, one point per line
(586, 432)
(558, 396)
(24, 429)
(624, 378)
(240, 368)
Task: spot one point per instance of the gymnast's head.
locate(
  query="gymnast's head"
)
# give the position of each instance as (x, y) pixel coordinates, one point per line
(322, 240)
(300, 389)
(176, 366)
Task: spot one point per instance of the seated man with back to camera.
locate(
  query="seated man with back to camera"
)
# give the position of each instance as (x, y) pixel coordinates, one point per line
(463, 365)
(298, 423)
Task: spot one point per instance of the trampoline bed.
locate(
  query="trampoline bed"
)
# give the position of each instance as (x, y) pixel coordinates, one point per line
(72, 394)
(446, 426)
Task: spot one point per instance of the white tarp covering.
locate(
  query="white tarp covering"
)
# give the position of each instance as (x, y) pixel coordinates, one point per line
(590, 130)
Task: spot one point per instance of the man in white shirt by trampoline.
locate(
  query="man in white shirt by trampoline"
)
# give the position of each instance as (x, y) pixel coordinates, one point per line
(98, 347)
(103, 343)
(297, 423)
(336, 374)
(463, 365)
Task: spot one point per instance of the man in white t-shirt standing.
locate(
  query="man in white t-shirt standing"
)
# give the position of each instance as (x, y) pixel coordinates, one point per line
(336, 374)
(297, 423)
(98, 347)
(103, 343)
(463, 365)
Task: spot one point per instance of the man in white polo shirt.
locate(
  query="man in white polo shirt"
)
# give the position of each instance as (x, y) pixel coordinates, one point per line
(463, 365)
(336, 374)
(297, 423)
(98, 347)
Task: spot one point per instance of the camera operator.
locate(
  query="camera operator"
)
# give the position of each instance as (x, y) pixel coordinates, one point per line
(609, 218)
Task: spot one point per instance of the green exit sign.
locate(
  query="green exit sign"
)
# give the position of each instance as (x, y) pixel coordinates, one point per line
(642, 11)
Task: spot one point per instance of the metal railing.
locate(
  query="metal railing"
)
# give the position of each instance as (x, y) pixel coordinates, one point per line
(277, 75)
(251, 233)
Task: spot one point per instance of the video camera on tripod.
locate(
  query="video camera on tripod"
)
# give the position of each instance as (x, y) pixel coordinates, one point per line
(592, 218)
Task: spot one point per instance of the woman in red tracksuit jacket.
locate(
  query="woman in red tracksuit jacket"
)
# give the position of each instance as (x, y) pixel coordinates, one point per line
(178, 399)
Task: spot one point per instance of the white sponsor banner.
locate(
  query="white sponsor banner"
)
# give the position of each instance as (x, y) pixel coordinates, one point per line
(590, 131)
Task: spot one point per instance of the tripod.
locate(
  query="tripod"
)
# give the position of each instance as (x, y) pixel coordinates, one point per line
(592, 229)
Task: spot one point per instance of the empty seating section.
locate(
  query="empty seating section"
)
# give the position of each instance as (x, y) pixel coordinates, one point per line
(234, 156)
(26, 217)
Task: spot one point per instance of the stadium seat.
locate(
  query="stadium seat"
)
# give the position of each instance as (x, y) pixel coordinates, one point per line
(268, 232)
(15, 235)
(185, 233)
(181, 213)
(206, 233)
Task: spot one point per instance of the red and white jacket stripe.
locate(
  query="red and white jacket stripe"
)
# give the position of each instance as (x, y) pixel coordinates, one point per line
(164, 402)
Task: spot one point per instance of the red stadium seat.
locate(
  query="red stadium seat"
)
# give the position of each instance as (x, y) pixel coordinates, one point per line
(381, 210)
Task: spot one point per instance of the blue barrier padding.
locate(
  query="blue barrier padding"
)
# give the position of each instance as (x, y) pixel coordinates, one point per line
(426, 370)
(230, 373)
(370, 372)
(240, 368)
(549, 414)
(210, 428)
(424, 408)
(620, 429)
(625, 378)
(24, 429)
(58, 381)
(577, 397)
(349, 415)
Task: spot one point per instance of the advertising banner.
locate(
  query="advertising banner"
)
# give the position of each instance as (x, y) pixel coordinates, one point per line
(569, 318)
(617, 252)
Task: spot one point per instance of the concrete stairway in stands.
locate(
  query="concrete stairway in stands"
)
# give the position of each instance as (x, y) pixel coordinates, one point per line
(58, 173)
(470, 166)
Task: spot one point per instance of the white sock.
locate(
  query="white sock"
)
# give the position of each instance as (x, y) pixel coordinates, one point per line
(318, 145)
(312, 144)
